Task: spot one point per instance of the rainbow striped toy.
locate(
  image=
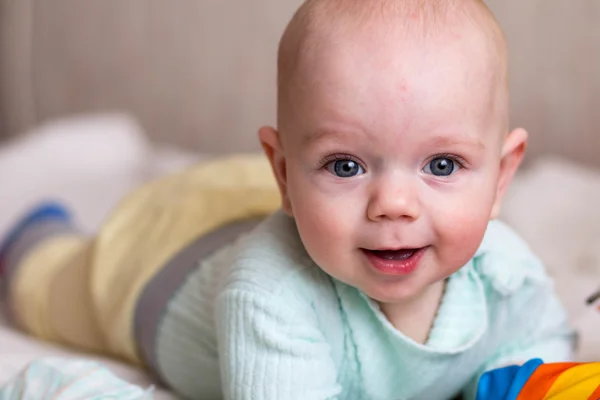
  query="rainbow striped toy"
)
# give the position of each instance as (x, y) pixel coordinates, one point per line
(535, 380)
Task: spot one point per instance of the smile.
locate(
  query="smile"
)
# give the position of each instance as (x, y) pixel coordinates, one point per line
(395, 262)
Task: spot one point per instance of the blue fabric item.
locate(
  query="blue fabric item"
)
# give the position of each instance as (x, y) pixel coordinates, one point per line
(42, 212)
(506, 383)
(494, 384)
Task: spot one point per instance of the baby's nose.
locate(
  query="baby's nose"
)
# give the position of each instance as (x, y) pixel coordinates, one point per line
(394, 201)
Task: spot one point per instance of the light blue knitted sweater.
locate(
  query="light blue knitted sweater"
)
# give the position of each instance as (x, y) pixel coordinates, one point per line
(260, 320)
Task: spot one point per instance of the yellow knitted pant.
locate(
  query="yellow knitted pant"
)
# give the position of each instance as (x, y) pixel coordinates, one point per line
(82, 292)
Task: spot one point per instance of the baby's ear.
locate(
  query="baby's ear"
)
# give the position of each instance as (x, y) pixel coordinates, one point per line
(271, 144)
(513, 151)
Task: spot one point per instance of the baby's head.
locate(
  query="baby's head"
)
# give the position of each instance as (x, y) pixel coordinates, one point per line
(392, 150)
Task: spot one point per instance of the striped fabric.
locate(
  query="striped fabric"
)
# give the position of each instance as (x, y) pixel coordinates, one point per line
(537, 381)
(62, 379)
(563, 381)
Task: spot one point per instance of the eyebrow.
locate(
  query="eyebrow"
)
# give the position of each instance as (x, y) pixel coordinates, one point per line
(457, 140)
(443, 140)
(325, 135)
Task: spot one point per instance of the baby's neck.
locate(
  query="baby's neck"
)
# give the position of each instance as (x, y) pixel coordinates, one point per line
(414, 318)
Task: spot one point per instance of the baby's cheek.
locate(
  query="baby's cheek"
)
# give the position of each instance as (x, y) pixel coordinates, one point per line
(461, 233)
(321, 229)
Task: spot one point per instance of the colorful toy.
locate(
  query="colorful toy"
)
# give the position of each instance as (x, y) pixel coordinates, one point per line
(535, 380)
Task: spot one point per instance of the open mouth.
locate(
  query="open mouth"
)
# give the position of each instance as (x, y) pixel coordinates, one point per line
(401, 254)
(395, 262)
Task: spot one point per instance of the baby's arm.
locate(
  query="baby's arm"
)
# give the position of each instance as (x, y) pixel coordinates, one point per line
(268, 350)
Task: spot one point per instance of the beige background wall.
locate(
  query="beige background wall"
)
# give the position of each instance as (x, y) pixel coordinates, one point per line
(555, 73)
(200, 73)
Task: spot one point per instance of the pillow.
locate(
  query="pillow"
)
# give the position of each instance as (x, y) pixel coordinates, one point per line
(87, 161)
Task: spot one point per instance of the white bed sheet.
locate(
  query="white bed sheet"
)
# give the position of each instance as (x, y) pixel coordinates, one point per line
(91, 162)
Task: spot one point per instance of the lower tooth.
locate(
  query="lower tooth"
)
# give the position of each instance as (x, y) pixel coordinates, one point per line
(402, 256)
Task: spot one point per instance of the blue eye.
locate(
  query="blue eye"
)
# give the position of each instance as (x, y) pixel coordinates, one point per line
(441, 166)
(345, 168)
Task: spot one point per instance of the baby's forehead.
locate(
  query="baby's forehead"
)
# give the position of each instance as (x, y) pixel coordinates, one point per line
(319, 38)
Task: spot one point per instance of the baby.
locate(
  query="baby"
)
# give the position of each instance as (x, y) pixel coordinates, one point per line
(383, 276)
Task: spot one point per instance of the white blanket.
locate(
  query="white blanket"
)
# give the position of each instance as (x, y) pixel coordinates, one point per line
(91, 162)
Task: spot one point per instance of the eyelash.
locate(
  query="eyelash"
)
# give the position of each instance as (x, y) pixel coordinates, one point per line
(340, 157)
(457, 159)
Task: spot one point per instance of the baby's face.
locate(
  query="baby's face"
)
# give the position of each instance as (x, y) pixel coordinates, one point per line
(392, 158)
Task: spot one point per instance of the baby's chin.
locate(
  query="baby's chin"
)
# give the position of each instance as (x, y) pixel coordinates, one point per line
(393, 297)
(392, 291)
